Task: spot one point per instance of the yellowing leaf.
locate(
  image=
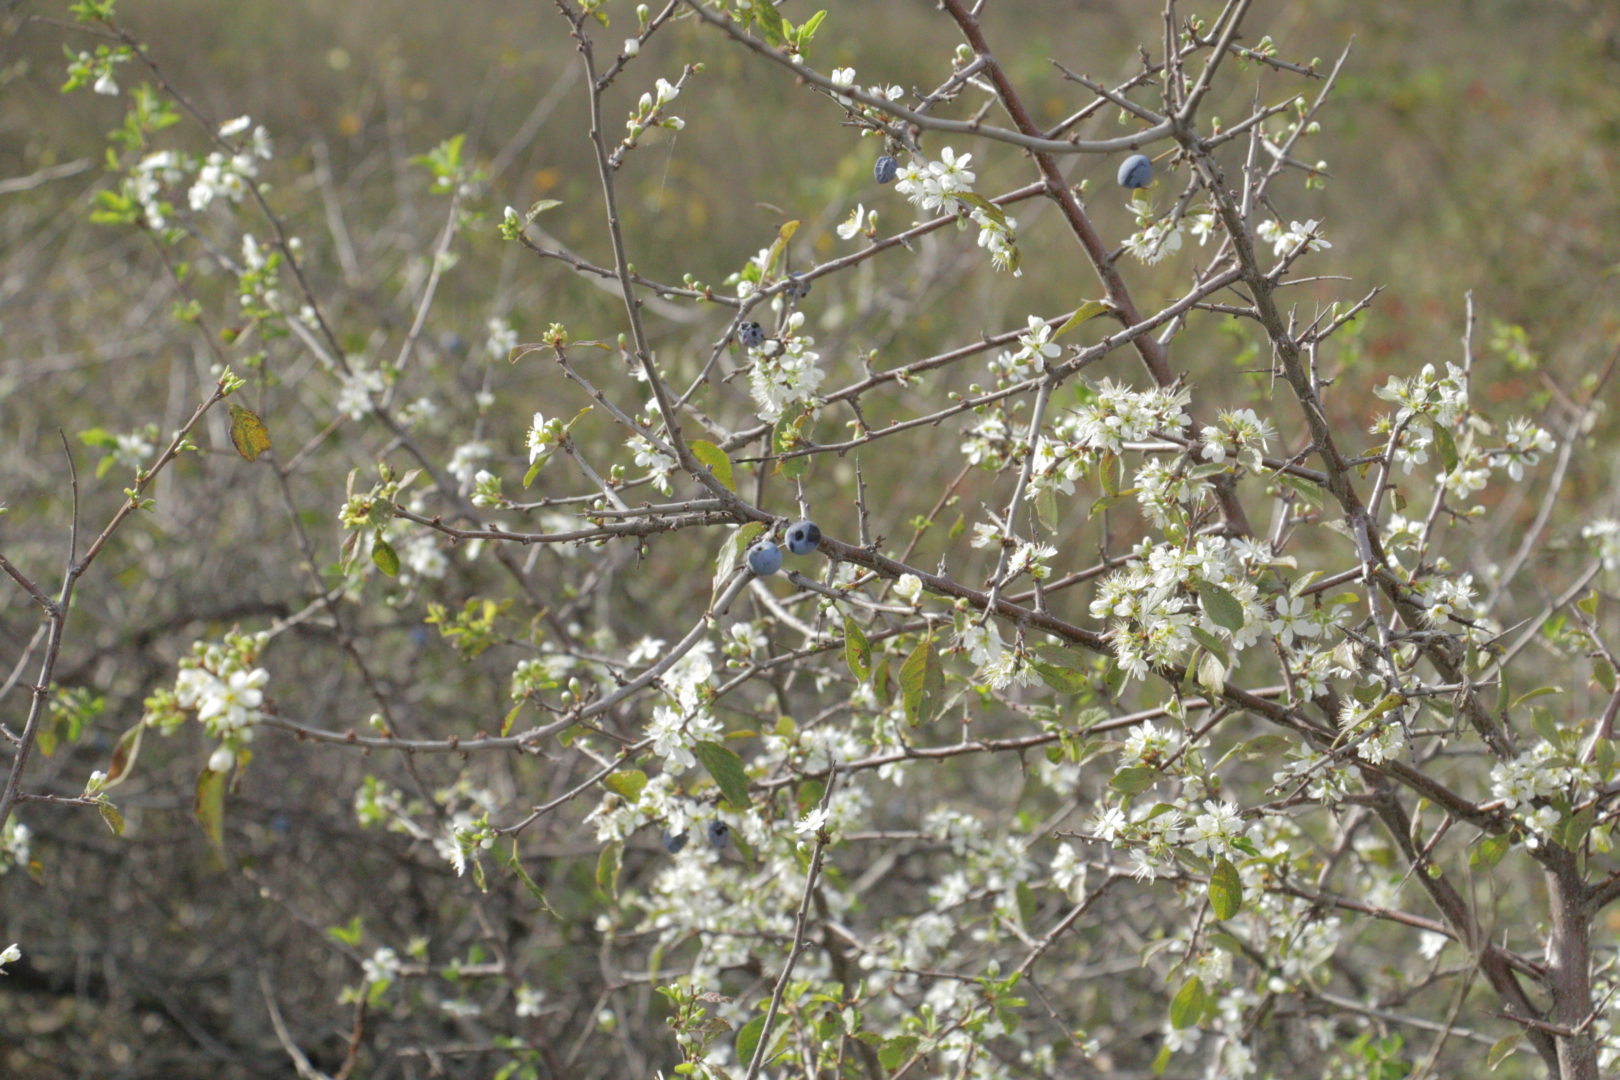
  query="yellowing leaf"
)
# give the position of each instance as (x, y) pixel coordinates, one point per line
(210, 807)
(123, 757)
(248, 433)
(1084, 313)
(716, 459)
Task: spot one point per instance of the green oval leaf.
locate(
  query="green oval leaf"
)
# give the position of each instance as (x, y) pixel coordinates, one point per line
(386, 558)
(716, 459)
(1188, 1004)
(1223, 609)
(922, 683)
(857, 650)
(726, 767)
(608, 865)
(748, 1038)
(1225, 890)
(627, 783)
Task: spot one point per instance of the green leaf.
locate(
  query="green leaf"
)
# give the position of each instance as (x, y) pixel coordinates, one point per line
(748, 1039)
(726, 767)
(516, 865)
(1161, 1060)
(1225, 890)
(715, 458)
(1058, 656)
(608, 865)
(1134, 780)
(210, 808)
(1223, 609)
(1502, 1049)
(1448, 447)
(350, 934)
(785, 233)
(627, 783)
(1060, 679)
(1188, 1004)
(1209, 641)
(897, 1051)
(1306, 490)
(857, 650)
(990, 209)
(384, 555)
(110, 814)
(922, 683)
(771, 23)
(1082, 314)
(1027, 904)
(1489, 852)
(731, 551)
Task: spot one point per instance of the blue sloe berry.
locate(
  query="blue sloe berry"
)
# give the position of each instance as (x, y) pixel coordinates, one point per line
(803, 537)
(719, 834)
(673, 842)
(751, 335)
(797, 287)
(1136, 171)
(764, 558)
(884, 169)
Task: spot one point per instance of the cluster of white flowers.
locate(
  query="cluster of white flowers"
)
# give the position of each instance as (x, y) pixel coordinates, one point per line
(1156, 238)
(357, 388)
(466, 459)
(221, 685)
(1525, 443)
(650, 109)
(146, 182)
(1154, 241)
(422, 556)
(544, 437)
(14, 845)
(1604, 536)
(1284, 241)
(786, 371)
(1238, 433)
(381, 966)
(659, 464)
(944, 186)
(226, 176)
(674, 735)
(1541, 772)
(500, 337)
(1118, 414)
(1035, 348)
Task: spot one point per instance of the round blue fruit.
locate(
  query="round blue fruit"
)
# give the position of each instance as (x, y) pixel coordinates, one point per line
(884, 169)
(719, 834)
(764, 558)
(673, 842)
(751, 334)
(803, 537)
(797, 287)
(1136, 171)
